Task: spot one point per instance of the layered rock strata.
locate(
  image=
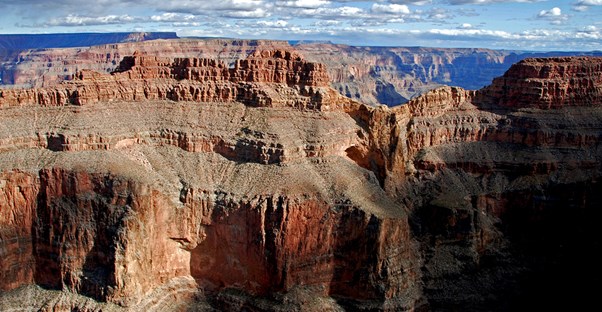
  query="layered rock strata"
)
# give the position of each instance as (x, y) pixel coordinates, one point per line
(537, 83)
(305, 201)
(47, 67)
(190, 79)
(372, 75)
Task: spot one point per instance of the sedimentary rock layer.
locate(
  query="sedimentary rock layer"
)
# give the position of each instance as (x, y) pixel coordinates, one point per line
(540, 83)
(191, 79)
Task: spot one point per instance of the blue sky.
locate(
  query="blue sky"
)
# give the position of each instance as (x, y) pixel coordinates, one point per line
(498, 24)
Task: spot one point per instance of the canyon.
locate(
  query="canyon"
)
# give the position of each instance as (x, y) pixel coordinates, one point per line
(244, 181)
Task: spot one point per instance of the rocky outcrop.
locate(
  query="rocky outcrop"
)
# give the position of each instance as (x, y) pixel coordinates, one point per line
(157, 201)
(547, 83)
(47, 67)
(191, 79)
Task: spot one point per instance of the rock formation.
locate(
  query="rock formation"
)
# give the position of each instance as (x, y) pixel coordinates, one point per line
(47, 67)
(537, 83)
(187, 183)
(190, 79)
(371, 75)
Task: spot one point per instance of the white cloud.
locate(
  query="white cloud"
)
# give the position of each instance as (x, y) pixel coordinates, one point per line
(334, 13)
(584, 5)
(550, 13)
(76, 20)
(416, 2)
(256, 13)
(225, 8)
(590, 32)
(275, 24)
(438, 14)
(554, 15)
(589, 2)
(458, 2)
(347, 21)
(172, 17)
(473, 33)
(390, 8)
(308, 4)
(327, 23)
(537, 39)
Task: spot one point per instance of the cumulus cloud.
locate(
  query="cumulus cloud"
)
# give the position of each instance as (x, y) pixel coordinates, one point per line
(584, 5)
(221, 8)
(326, 23)
(172, 17)
(308, 4)
(587, 38)
(256, 13)
(550, 13)
(390, 8)
(554, 15)
(580, 8)
(437, 22)
(41, 6)
(590, 32)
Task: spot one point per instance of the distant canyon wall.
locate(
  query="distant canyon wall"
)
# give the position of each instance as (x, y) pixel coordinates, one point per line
(372, 75)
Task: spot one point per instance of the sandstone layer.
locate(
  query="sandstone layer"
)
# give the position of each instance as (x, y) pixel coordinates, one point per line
(269, 191)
